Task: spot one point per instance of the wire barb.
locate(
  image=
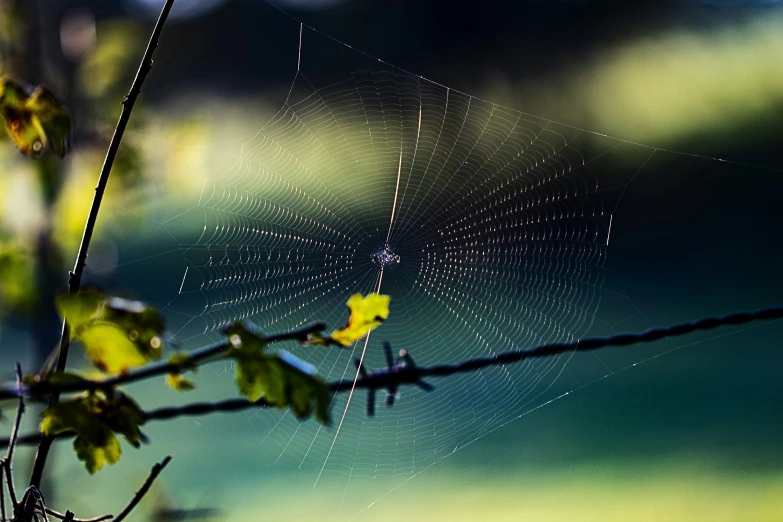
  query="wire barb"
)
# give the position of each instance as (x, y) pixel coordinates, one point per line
(387, 375)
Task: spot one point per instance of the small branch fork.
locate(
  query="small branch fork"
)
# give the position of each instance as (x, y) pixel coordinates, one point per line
(32, 504)
(7, 471)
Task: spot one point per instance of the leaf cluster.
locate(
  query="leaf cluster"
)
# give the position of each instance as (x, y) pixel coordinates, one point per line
(282, 379)
(119, 335)
(95, 418)
(36, 120)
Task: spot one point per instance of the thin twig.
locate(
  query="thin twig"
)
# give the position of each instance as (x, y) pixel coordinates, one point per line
(9, 456)
(42, 508)
(197, 356)
(156, 469)
(10, 482)
(32, 500)
(2, 490)
(29, 439)
(61, 516)
(75, 279)
(412, 375)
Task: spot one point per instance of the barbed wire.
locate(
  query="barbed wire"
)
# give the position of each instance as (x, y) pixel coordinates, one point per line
(410, 374)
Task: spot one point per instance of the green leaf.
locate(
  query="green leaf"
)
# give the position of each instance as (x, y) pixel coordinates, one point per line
(78, 309)
(117, 334)
(124, 416)
(73, 415)
(257, 376)
(94, 443)
(282, 379)
(35, 118)
(96, 419)
(65, 377)
(143, 323)
(244, 337)
(53, 378)
(17, 269)
(184, 361)
(96, 452)
(177, 381)
(305, 392)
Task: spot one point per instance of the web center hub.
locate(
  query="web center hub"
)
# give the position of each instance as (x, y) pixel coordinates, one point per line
(384, 257)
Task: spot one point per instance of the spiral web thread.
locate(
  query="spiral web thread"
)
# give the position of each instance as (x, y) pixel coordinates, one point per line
(489, 228)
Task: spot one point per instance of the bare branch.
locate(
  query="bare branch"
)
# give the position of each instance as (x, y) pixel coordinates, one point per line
(8, 462)
(10, 483)
(61, 516)
(29, 439)
(75, 279)
(156, 469)
(2, 490)
(32, 500)
(42, 507)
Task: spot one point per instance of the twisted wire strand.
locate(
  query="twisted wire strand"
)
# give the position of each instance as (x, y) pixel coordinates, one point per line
(413, 374)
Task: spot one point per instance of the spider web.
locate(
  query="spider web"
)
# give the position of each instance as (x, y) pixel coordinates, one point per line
(489, 227)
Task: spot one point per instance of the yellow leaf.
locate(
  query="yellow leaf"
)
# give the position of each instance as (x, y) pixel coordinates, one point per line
(177, 381)
(110, 349)
(366, 314)
(117, 334)
(36, 119)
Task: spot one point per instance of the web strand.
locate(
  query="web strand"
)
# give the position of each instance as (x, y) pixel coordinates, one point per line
(489, 227)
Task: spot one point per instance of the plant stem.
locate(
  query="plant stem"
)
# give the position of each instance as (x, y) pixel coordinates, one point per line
(62, 516)
(9, 457)
(75, 278)
(156, 469)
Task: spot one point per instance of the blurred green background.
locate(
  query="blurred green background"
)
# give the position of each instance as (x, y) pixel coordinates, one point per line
(681, 430)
